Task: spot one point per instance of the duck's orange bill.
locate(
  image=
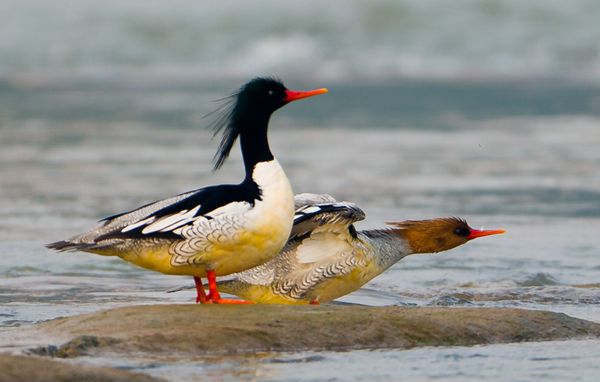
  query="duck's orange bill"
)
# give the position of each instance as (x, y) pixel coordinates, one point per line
(475, 233)
(293, 95)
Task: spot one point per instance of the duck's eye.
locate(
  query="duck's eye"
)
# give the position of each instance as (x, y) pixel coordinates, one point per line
(461, 231)
(271, 92)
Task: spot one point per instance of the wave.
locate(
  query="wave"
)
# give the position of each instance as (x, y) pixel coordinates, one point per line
(334, 40)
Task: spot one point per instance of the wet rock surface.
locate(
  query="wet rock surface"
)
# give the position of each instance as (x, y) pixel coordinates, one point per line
(16, 368)
(212, 329)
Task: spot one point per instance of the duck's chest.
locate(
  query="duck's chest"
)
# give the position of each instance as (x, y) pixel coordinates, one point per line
(274, 211)
(265, 228)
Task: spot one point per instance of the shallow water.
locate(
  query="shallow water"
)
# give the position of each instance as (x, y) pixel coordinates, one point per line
(504, 362)
(534, 175)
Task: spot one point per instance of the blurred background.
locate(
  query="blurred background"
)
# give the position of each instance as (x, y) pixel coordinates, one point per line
(488, 110)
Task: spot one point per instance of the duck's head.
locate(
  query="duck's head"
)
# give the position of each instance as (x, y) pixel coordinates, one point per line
(249, 110)
(437, 235)
(265, 95)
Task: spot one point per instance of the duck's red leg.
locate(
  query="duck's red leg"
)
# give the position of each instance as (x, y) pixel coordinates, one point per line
(200, 293)
(314, 301)
(213, 293)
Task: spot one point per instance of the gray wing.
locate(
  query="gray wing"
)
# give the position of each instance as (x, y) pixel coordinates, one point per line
(307, 199)
(319, 210)
(117, 223)
(186, 219)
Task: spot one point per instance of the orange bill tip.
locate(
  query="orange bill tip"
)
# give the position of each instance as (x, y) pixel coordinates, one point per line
(293, 95)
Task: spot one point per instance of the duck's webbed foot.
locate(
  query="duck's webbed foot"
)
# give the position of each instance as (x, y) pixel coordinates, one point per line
(213, 294)
(201, 296)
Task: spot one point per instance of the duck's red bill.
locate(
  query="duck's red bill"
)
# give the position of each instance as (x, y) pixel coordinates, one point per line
(293, 95)
(475, 233)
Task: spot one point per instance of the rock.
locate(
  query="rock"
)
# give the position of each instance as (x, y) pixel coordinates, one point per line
(589, 286)
(16, 368)
(76, 347)
(222, 329)
(451, 300)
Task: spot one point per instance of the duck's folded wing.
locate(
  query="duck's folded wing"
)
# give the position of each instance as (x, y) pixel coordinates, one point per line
(307, 277)
(323, 245)
(322, 212)
(169, 218)
(307, 199)
(302, 265)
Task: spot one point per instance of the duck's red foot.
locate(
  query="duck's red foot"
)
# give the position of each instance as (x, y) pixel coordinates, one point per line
(232, 301)
(200, 293)
(314, 301)
(214, 297)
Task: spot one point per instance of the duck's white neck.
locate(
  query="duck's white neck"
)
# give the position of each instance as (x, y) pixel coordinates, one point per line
(273, 184)
(388, 247)
(267, 172)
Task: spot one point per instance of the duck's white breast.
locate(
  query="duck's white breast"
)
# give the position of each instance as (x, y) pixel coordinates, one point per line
(276, 207)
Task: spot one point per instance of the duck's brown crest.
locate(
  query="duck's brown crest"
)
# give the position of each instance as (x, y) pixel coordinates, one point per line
(430, 236)
(423, 224)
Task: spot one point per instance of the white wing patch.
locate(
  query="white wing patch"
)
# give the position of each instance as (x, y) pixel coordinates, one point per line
(320, 246)
(310, 210)
(138, 224)
(178, 221)
(171, 221)
(164, 224)
(233, 208)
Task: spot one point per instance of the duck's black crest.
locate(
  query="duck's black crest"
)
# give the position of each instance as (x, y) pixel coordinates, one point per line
(223, 123)
(255, 100)
(458, 221)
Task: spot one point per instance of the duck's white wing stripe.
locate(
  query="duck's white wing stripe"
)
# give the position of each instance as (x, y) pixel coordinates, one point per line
(181, 223)
(230, 209)
(138, 224)
(183, 217)
(176, 222)
(333, 217)
(233, 208)
(144, 212)
(310, 210)
(342, 213)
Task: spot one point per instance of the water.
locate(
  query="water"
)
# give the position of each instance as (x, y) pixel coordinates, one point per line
(418, 124)
(337, 40)
(505, 362)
